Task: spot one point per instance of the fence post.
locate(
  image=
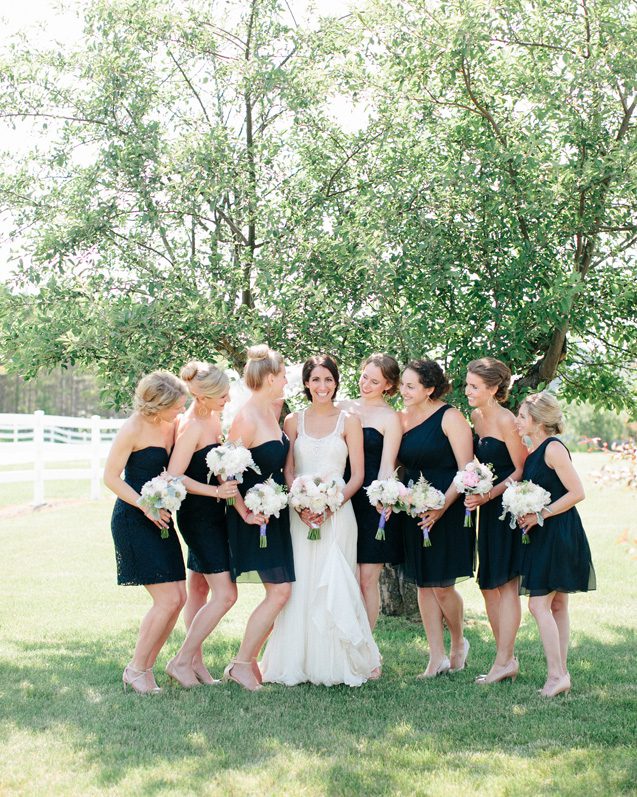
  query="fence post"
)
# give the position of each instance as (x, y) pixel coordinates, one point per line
(96, 480)
(38, 458)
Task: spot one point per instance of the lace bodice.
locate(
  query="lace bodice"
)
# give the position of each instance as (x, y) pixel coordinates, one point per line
(324, 456)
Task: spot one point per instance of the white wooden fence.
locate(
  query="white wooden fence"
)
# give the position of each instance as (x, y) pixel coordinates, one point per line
(37, 439)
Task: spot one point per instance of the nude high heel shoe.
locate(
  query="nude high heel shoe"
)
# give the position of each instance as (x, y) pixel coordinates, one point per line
(556, 686)
(136, 679)
(228, 676)
(466, 646)
(510, 671)
(442, 669)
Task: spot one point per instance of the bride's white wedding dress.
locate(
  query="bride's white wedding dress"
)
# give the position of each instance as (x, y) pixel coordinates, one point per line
(323, 634)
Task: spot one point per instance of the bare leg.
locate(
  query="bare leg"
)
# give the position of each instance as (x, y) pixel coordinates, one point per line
(159, 621)
(198, 589)
(224, 596)
(452, 608)
(540, 608)
(559, 607)
(508, 622)
(492, 605)
(369, 577)
(259, 624)
(431, 615)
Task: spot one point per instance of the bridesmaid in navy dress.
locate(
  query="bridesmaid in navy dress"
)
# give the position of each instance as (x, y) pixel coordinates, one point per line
(141, 449)
(497, 443)
(257, 426)
(557, 559)
(202, 519)
(381, 438)
(437, 443)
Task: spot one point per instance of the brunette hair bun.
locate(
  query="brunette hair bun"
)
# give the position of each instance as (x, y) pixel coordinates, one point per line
(389, 368)
(493, 373)
(430, 374)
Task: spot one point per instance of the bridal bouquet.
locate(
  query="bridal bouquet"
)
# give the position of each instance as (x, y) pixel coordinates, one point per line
(524, 498)
(475, 479)
(421, 498)
(318, 495)
(391, 494)
(230, 461)
(267, 498)
(162, 492)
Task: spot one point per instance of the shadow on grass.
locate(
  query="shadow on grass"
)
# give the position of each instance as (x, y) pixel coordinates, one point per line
(372, 740)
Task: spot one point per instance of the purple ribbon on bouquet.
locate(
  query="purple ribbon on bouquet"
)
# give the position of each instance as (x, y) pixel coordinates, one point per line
(426, 542)
(263, 537)
(230, 501)
(467, 519)
(380, 534)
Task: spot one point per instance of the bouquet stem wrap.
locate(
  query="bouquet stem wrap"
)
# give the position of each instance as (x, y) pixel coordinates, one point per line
(380, 534)
(263, 536)
(426, 542)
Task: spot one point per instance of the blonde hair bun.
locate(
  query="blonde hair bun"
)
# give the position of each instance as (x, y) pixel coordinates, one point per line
(190, 370)
(259, 352)
(211, 381)
(158, 391)
(545, 410)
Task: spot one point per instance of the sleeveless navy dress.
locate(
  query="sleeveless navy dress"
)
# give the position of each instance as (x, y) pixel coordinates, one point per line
(425, 449)
(499, 548)
(274, 564)
(369, 549)
(142, 556)
(202, 522)
(558, 557)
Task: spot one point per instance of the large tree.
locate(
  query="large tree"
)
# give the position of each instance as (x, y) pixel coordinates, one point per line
(197, 191)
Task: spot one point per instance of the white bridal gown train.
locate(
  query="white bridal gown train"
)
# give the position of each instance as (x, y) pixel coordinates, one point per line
(323, 634)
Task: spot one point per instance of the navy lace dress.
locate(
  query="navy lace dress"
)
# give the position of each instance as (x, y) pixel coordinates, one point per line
(274, 564)
(202, 522)
(369, 549)
(499, 548)
(558, 557)
(142, 556)
(425, 449)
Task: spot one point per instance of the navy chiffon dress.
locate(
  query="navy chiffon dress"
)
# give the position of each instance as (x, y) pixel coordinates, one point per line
(425, 449)
(499, 548)
(274, 564)
(202, 522)
(142, 555)
(557, 557)
(369, 549)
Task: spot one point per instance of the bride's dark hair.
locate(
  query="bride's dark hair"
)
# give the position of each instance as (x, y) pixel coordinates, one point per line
(324, 361)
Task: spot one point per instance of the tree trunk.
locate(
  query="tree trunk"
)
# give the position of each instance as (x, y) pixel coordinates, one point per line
(397, 596)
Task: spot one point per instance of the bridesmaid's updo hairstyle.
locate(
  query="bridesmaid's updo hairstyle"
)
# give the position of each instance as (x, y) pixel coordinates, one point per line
(211, 381)
(493, 373)
(262, 360)
(389, 368)
(323, 361)
(158, 391)
(430, 374)
(544, 409)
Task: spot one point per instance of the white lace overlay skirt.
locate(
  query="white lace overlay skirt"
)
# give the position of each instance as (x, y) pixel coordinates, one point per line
(323, 634)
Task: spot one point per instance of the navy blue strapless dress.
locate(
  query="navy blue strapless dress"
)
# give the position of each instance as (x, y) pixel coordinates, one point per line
(425, 449)
(274, 564)
(558, 557)
(369, 549)
(499, 548)
(202, 522)
(142, 556)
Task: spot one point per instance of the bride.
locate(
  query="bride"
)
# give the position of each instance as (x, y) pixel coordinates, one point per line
(323, 634)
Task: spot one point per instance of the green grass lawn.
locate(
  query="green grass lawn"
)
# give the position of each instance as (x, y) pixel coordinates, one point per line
(66, 631)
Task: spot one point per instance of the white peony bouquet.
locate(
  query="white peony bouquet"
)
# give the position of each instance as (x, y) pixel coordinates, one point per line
(318, 495)
(475, 479)
(524, 498)
(267, 498)
(230, 461)
(421, 498)
(390, 493)
(162, 492)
